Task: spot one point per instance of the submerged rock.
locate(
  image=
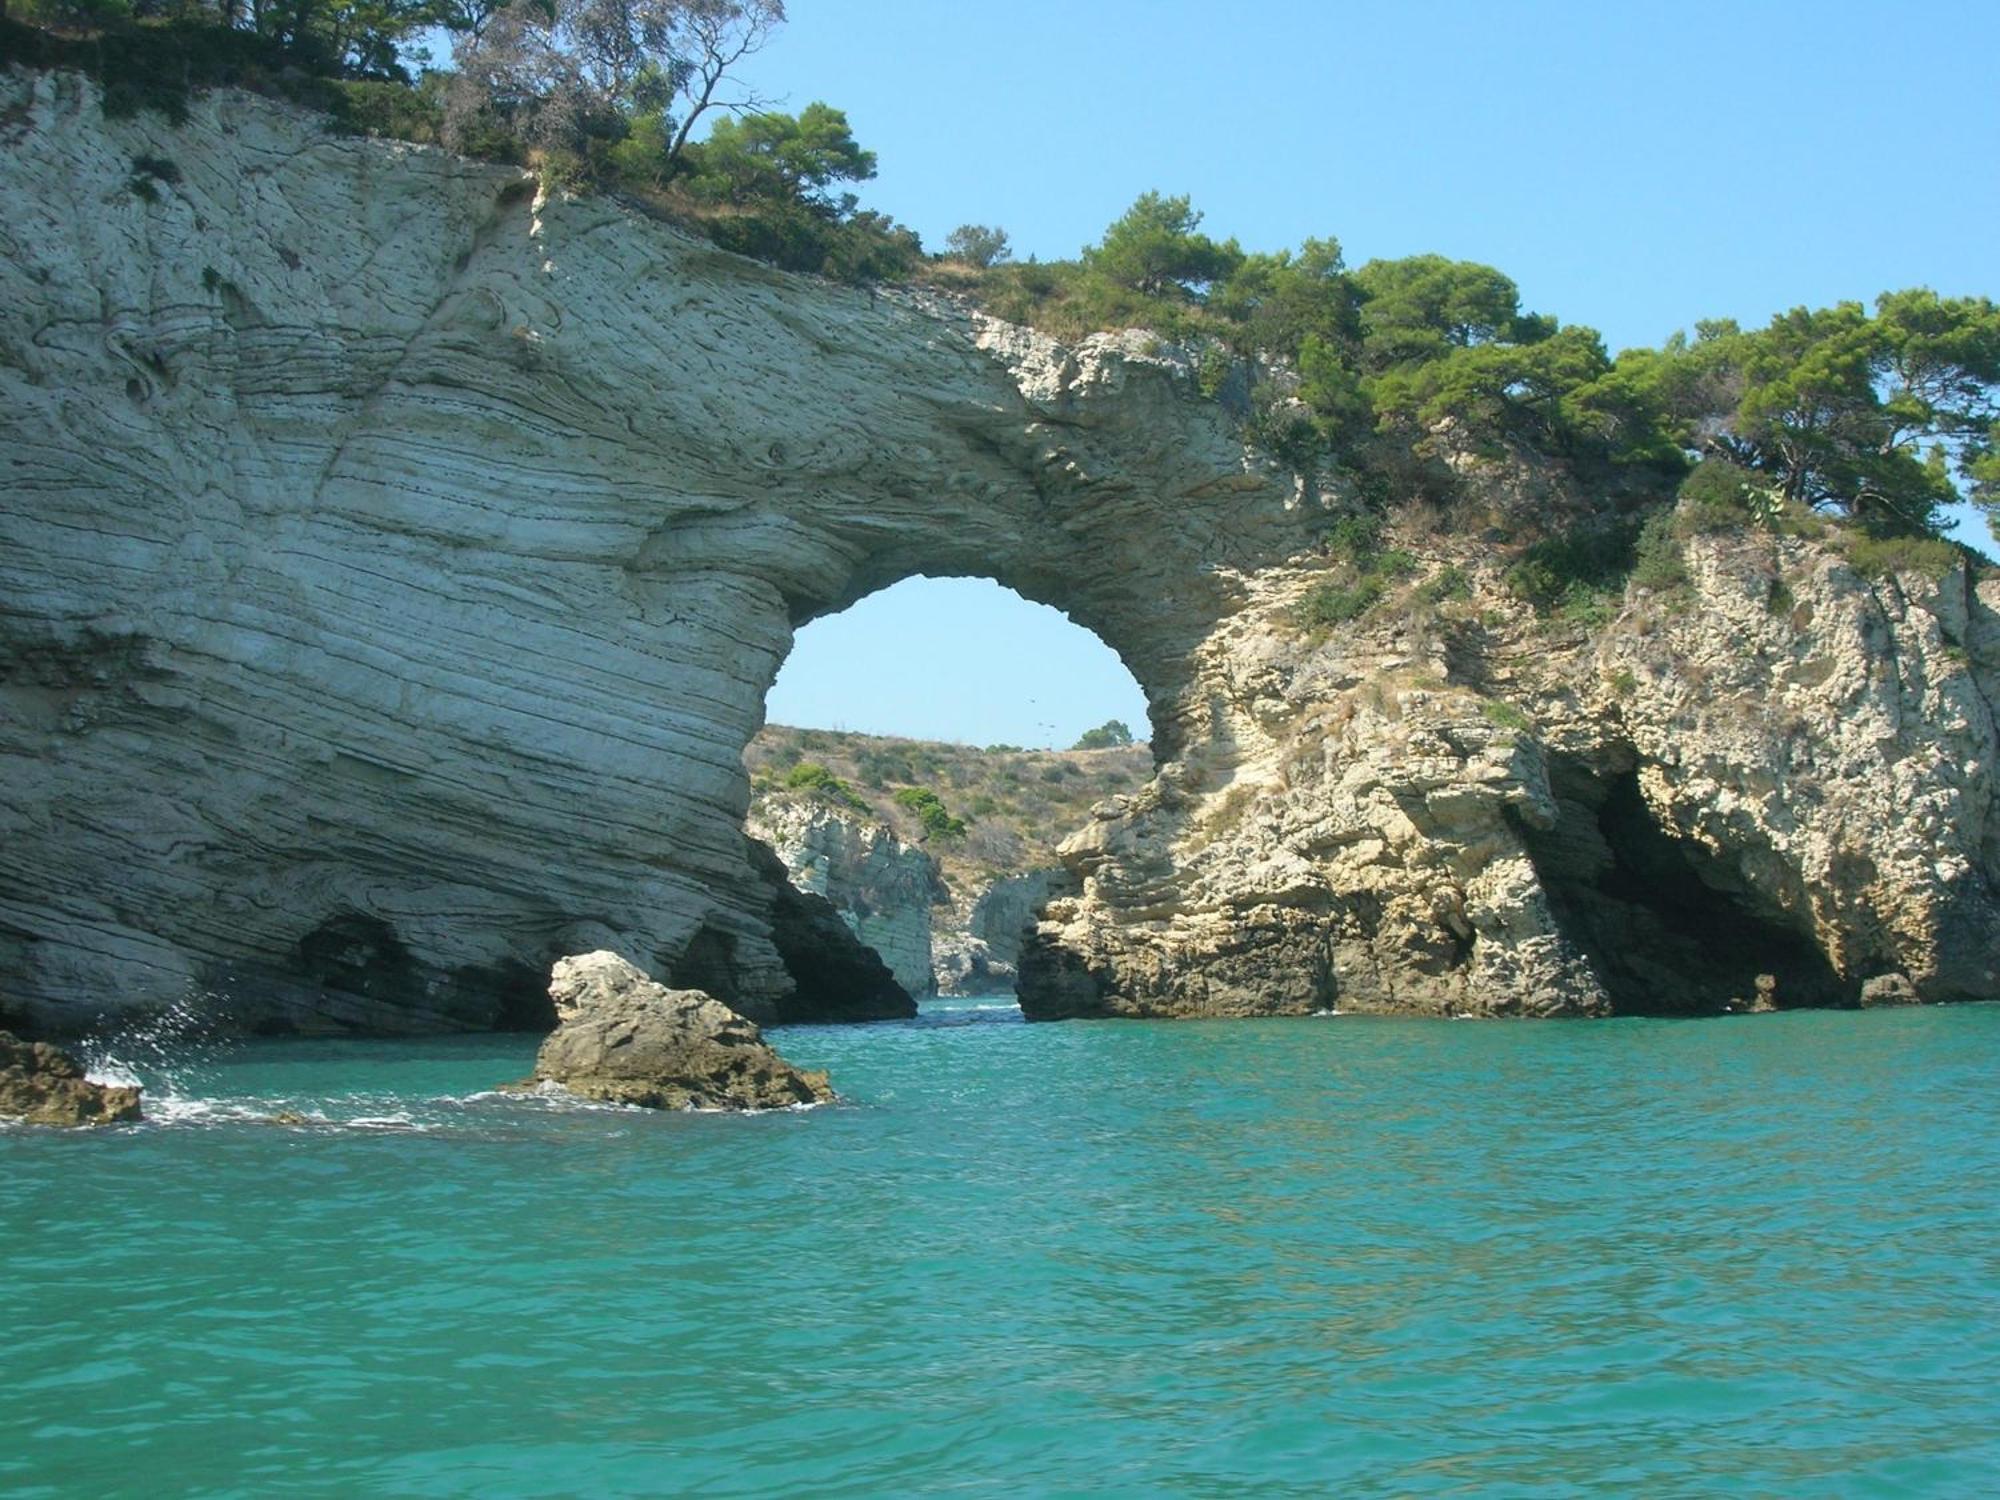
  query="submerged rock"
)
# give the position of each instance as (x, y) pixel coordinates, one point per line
(43, 1085)
(622, 1038)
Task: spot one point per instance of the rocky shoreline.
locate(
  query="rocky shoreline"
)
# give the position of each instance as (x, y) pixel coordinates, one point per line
(40, 1084)
(398, 556)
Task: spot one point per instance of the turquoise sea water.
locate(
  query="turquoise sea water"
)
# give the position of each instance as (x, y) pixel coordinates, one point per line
(1343, 1256)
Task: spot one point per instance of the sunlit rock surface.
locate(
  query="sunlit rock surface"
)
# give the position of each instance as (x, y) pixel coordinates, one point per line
(883, 888)
(623, 1039)
(40, 1084)
(393, 563)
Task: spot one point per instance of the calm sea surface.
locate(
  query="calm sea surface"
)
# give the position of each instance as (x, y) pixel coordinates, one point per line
(1743, 1257)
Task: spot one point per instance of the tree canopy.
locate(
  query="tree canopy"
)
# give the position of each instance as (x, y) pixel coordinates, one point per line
(1107, 736)
(1883, 417)
(1155, 249)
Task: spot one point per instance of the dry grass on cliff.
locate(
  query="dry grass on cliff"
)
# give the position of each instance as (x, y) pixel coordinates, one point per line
(1017, 805)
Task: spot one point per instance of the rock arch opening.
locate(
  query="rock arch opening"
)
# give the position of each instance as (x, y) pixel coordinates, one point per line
(926, 751)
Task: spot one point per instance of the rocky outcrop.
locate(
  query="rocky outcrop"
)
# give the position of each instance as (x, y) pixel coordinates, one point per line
(621, 1038)
(979, 953)
(42, 1085)
(883, 888)
(395, 558)
(1782, 770)
(835, 977)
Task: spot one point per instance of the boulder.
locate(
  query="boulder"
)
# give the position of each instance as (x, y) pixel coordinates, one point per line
(622, 1038)
(1889, 989)
(43, 1085)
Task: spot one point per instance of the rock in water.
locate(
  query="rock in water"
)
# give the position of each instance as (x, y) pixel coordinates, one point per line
(622, 1038)
(1889, 989)
(43, 1085)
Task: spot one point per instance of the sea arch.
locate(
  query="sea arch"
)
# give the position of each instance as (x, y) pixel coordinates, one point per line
(396, 554)
(399, 579)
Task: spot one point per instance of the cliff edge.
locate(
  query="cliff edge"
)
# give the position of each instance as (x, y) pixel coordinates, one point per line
(394, 560)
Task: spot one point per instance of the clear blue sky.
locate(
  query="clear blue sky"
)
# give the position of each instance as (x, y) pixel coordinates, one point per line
(1632, 167)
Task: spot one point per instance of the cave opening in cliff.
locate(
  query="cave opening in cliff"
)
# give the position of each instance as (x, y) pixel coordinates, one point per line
(926, 750)
(1669, 929)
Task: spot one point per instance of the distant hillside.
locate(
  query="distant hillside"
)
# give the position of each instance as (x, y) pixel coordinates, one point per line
(990, 812)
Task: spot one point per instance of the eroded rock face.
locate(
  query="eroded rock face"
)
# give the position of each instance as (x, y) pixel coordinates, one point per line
(981, 951)
(1784, 770)
(883, 888)
(622, 1038)
(42, 1085)
(395, 562)
(835, 976)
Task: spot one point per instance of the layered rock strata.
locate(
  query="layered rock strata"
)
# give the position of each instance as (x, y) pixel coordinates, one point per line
(623, 1039)
(883, 888)
(40, 1084)
(980, 952)
(1783, 769)
(394, 558)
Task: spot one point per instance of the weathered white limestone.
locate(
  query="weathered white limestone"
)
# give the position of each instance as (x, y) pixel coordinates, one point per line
(393, 562)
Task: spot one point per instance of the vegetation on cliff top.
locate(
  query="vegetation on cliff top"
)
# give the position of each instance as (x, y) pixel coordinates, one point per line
(982, 813)
(592, 94)
(1398, 378)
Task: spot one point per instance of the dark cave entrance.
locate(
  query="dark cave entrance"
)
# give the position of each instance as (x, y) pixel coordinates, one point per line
(1669, 929)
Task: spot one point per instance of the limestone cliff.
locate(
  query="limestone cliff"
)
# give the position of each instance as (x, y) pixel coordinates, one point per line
(882, 887)
(981, 953)
(1782, 769)
(393, 561)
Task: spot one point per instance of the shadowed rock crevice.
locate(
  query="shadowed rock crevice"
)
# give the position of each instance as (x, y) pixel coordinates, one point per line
(835, 977)
(360, 955)
(1664, 924)
(708, 963)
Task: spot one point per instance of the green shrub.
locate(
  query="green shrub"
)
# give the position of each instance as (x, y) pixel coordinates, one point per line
(1212, 370)
(1578, 574)
(1587, 608)
(1718, 495)
(814, 779)
(1503, 715)
(1355, 538)
(1394, 563)
(1337, 604)
(932, 815)
(1882, 557)
(1657, 562)
(1451, 582)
